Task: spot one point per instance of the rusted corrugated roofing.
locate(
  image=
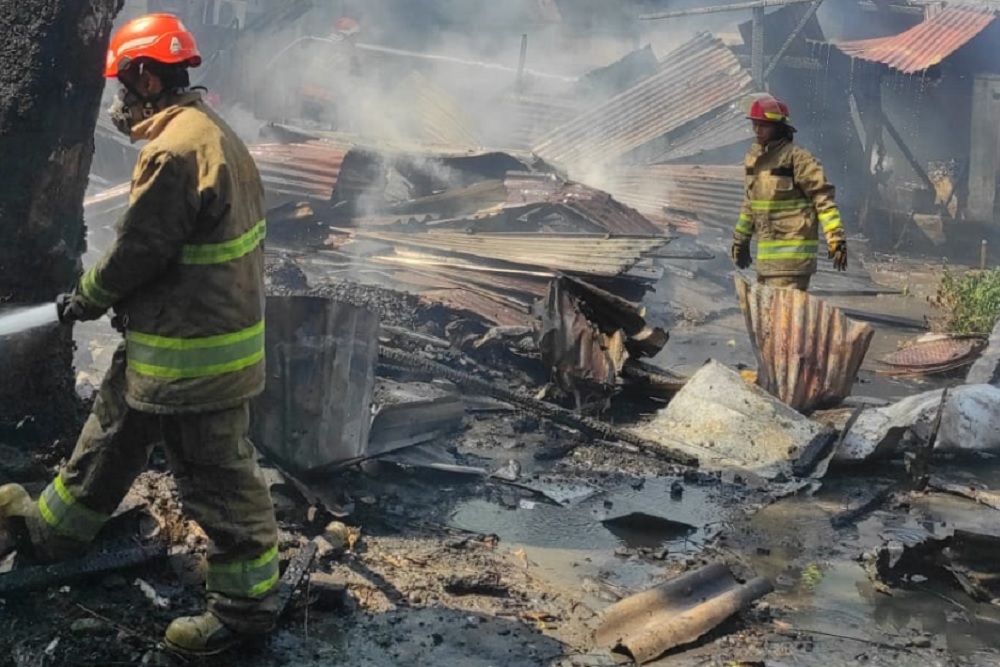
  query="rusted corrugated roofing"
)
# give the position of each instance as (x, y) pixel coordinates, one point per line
(306, 170)
(697, 78)
(724, 129)
(594, 206)
(601, 255)
(677, 612)
(679, 195)
(808, 352)
(925, 44)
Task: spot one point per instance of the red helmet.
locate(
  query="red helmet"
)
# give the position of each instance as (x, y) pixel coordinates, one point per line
(159, 37)
(769, 109)
(346, 26)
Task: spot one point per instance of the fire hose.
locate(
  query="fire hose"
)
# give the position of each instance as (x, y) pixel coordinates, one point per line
(549, 411)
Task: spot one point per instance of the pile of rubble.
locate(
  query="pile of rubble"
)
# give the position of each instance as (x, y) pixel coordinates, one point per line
(437, 306)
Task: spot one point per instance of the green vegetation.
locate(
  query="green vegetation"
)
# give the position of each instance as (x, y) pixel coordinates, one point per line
(972, 299)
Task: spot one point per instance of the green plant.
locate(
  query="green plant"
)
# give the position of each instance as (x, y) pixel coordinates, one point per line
(972, 299)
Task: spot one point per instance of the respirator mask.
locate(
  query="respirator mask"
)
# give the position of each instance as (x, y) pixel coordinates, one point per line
(128, 109)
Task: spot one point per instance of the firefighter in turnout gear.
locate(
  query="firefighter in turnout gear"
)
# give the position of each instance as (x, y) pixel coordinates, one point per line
(184, 277)
(787, 199)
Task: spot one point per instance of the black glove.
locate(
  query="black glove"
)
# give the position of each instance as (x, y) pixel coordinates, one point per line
(741, 254)
(72, 308)
(838, 253)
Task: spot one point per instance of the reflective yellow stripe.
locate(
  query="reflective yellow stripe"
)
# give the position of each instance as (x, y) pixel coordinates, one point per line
(776, 250)
(830, 219)
(66, 516)
(94, 293)
(217, 253)
(743, 226)
(245, 579)
(175, 358)
(779, 205)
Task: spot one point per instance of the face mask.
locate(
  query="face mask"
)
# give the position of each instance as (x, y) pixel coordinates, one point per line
(126, 110)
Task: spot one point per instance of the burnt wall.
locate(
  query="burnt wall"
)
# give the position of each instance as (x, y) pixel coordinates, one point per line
(53, 54)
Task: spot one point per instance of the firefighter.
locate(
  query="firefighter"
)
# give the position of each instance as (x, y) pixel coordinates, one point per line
(787, 198)
(184, 277)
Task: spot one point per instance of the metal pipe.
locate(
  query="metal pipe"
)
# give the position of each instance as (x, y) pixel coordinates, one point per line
(521, 63)
(982, 255)
(740, 6)
(776, 58)
(757, 47)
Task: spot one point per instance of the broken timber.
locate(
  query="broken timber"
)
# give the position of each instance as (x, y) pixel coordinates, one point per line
(298, 568)
(553, 412)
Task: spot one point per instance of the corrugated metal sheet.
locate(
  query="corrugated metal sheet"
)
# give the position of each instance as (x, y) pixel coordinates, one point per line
(306, 170)
(321, 357)
(527, 118)
(925, 44)
(601, 255)
(697, 78)
(679, 195)
(592, 205)
(439, 119)
(724, 129)
(808, 352)
(675, 613)
(316, 170)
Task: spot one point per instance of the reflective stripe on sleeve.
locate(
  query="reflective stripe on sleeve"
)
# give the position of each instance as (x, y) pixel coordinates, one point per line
(93, 292)
(830, 220)
(743, 225)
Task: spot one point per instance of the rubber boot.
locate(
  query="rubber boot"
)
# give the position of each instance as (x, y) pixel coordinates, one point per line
(14, 501)
(200, 635)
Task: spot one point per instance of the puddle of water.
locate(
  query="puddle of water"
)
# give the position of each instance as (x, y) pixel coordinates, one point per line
(828, 591)
(570, 543)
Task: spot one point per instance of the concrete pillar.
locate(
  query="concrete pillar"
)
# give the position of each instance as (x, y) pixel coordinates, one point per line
(984, 155)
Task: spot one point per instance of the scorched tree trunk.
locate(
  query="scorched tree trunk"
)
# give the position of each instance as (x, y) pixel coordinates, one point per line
(52, 55)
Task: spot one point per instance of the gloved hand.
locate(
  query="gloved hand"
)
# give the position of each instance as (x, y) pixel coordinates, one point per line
(72, 308)
(741, 253)
(838, 253)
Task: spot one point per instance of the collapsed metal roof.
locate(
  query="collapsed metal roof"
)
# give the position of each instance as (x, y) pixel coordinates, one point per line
(697, 78)
(583, 254)
(726, 128)
(308, 170)
(925, 44)
(680, 195)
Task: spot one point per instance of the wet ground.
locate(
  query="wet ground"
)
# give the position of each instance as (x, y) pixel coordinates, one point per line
(571, 533)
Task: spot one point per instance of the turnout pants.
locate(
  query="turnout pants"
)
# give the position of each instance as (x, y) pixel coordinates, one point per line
(800, 283)
(220, 483)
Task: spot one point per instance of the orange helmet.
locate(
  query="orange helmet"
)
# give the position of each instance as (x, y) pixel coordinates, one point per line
(159, 37)
(769, 109)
